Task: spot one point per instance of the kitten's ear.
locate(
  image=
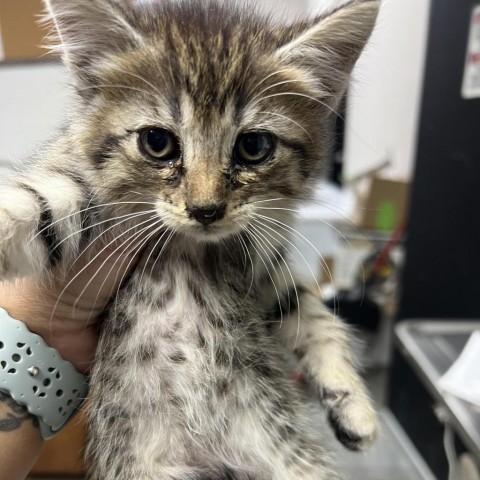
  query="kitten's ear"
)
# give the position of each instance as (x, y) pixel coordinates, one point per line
(329, 47)
(85, 31)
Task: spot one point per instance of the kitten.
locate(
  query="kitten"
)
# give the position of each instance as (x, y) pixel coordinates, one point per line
(197, 129)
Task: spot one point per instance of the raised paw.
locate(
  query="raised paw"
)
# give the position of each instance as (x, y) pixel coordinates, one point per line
(352, 418)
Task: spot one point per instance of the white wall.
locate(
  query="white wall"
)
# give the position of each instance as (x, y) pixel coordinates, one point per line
(33, 101)
(286, 10)
(384, 102)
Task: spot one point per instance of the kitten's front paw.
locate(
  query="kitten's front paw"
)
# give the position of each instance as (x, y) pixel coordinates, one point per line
(353, 419)
(6, 228)
(17, 255)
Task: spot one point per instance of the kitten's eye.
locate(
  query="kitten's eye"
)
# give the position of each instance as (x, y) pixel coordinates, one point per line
(159, 144)
(254, 147)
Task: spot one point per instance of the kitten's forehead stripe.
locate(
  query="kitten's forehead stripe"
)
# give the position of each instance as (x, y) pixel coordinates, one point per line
(211, 54)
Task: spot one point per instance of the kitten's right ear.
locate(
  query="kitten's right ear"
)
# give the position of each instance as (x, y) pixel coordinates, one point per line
(86, 31)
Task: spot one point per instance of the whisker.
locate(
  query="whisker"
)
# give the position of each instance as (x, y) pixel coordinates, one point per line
(276, 85)
(245, 259)
(283, 70)
(253, 267)
(126, 217)
(313, 99)
(88, 209)
(294, 286)
(253, 236)
(126, 87)
(65, 288)
(164, 246)
(267, 200)
(291, 120)
(263, 227)
(139, 77)
(124, 257)
(295, 232)
(151, 253)
(280, 208)
(135, 235)
(140, 246)
(271, 247)
(102, 233)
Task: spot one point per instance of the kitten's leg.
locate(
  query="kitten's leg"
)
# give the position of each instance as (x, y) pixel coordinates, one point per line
(323, 347)
(41, 221)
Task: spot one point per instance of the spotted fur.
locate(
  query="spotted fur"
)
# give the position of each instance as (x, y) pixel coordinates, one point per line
(193, 376)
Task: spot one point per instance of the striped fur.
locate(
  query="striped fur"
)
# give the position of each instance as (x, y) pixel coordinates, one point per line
(193, 376)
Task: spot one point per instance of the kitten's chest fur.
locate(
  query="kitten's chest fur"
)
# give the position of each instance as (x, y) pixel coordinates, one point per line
(191, 332)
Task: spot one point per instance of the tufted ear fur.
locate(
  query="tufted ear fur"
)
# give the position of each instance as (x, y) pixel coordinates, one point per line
(85, 31)
(328, 48)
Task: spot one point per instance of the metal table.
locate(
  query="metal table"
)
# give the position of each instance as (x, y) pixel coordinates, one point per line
(431, 347)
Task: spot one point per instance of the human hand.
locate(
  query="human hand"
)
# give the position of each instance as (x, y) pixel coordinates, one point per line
(65, 310)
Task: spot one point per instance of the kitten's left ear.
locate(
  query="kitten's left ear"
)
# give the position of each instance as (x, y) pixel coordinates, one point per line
(85, 31)
(328, 48)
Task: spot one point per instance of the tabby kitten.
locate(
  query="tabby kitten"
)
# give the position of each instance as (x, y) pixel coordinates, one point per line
(197, 128)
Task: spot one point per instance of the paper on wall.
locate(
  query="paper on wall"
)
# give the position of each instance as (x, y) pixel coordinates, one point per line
(471, 77)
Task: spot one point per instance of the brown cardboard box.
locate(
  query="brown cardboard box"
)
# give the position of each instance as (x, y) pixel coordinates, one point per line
(63, 455)
(21, 33)
(386, 205)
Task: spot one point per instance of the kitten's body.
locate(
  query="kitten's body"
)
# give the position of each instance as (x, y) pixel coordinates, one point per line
(193, 375)
(215, 392)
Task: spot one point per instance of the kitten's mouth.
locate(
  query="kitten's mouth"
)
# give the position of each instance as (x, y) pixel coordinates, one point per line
(210, 233)
(214, 231)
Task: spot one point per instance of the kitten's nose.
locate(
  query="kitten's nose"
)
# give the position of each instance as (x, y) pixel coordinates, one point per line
(207, 215)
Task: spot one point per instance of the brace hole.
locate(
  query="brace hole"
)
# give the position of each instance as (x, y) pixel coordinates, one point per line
(20, 345)
(12, 371)
(42, 395)
(16, 357)
(64, 414)
(47, 382)
(69, 403)
(3, 363)
(35, 389)
(29, 351)
(59, 393)
(75, 391)
(58, 376)
(60, 410)
(51, 369)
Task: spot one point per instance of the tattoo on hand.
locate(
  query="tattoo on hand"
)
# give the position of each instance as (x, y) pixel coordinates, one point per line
(13, 420)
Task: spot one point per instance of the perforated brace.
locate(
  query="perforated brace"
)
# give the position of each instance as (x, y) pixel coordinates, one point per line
(36, 376)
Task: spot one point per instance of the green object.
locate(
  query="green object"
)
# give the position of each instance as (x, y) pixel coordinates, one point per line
(386, 218)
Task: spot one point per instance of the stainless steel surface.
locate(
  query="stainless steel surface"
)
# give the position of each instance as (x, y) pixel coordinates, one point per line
(431, 347)
(393, 457)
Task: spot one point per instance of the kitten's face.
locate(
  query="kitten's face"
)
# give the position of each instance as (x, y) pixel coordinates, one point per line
(210, 115)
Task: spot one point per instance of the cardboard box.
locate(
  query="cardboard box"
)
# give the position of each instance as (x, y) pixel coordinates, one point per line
(21, 34)
(386, 205)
